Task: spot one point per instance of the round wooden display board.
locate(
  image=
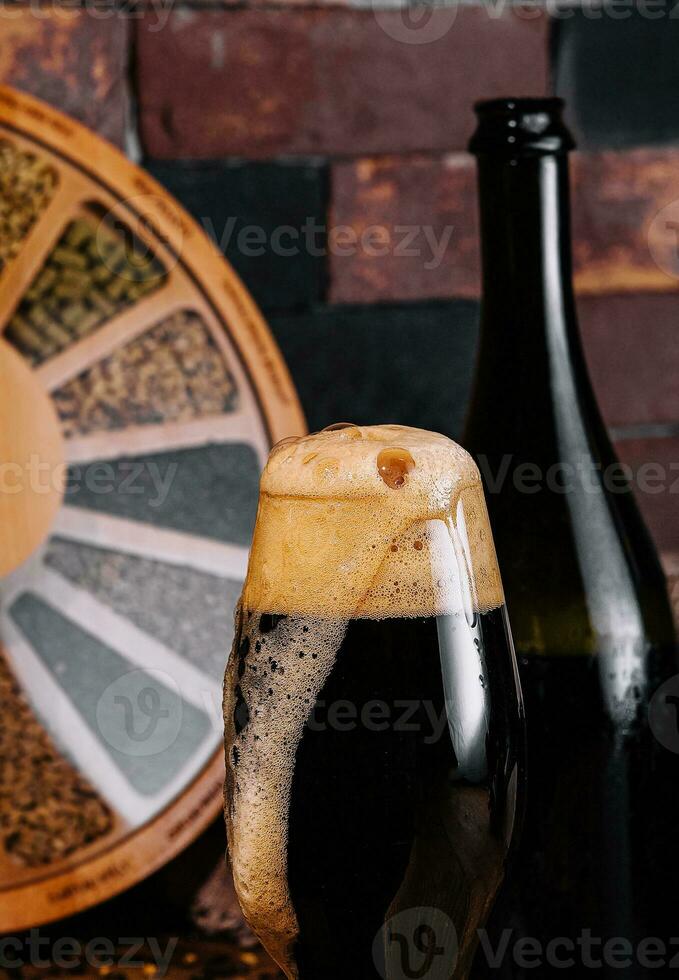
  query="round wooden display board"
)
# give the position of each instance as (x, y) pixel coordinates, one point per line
(157, 391)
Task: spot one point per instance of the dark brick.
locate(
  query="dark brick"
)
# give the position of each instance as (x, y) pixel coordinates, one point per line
(408, 364)
(660, 507)
(230, 200)
(261, 82)
(620, 74)
(620, 241)
(633, 352)
(73, 59)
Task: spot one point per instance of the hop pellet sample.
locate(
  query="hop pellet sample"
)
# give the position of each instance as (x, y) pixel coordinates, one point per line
(47, 809)
(26, 188)
(172, 373)
(92, 274)
(189, 611)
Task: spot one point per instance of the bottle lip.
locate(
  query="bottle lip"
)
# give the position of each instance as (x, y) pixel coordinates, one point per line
(521, 127)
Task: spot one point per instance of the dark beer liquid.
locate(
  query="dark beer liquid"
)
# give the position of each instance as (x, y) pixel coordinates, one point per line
(403, 793)
(585, 592)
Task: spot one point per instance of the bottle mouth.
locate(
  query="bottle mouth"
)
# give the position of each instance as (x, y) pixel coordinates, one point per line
(521, 127)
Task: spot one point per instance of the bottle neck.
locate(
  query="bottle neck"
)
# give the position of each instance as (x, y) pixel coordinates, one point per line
(526, 251)
(530, 352)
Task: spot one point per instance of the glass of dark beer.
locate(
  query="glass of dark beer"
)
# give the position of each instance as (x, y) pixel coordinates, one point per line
(373, 717)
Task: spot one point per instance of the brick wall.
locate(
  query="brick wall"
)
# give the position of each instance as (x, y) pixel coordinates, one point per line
(323, 147)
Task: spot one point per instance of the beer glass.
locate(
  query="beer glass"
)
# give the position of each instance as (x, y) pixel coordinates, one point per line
(373, 716)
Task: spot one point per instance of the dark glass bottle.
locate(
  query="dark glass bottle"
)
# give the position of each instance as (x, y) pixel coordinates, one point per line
(585, 591)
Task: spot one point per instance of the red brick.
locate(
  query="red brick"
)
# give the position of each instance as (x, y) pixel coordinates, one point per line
(262, 82)
(617, 198)
(621, 243)
(632, 346)
(660, 508)
(74, 59)
(393, 194)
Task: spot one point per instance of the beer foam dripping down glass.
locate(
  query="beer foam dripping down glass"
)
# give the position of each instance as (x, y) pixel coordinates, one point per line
(372, 558)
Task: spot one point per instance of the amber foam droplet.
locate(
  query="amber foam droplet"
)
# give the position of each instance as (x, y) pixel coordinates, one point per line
(393, 465)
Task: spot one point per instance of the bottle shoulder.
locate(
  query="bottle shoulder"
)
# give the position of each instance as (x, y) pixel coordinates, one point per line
(576, 559)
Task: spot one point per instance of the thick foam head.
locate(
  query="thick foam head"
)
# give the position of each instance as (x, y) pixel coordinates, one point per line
(376, 521)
